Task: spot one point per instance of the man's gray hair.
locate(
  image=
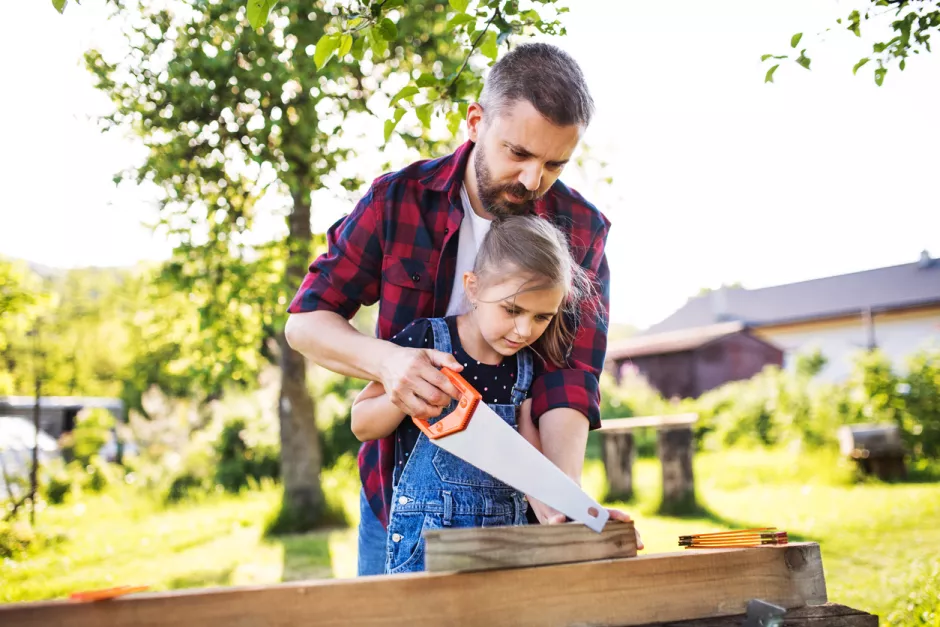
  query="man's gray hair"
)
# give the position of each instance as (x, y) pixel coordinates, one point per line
(544, 75)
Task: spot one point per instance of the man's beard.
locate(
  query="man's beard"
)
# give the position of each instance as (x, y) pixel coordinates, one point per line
(491, 195)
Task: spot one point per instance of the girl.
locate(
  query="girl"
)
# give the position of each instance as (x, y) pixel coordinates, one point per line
(523, 285)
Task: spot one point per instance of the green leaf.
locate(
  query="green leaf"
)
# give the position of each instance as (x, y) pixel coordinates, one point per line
(359, 48)
(354, 22)
(392, 123)
(795, 40)
(258, 11)
(853, 26)
(392, 4)
(388, 29)
(860, 63)
(389, 129)
(459, 20)
(378, 44)
(405, 93)
(769, 78)
(59, 5)
(325, 49)
(424, 114)
(453, 122)
(488, 45)
(512, 7)
(880, 76)
(426, 80)
(764, 57)
(803, 59)
(902, 64)
(460, 6)
(345, 45)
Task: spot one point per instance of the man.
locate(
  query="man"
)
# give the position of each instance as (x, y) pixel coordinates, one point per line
(417, 229)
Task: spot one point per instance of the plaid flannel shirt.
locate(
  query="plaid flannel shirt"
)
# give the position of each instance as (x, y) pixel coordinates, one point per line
(399, 247)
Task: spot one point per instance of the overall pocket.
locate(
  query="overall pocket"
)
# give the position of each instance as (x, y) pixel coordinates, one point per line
(407, 555)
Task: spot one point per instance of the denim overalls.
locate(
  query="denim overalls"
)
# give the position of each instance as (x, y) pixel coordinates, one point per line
(436, 489)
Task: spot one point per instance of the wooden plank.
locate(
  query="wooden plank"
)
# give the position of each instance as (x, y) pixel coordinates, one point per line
(490, 548)
(827, 615)
(639, 422)
(634, 591)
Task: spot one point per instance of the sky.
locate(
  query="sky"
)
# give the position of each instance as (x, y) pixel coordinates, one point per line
(717, 176)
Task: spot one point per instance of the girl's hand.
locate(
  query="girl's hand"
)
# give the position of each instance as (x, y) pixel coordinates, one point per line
(551, 516)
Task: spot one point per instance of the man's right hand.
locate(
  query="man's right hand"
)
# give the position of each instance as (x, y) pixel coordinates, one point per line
(414, 383)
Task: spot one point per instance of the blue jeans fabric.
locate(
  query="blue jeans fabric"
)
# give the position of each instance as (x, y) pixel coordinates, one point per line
(372, 540)
(436, 489)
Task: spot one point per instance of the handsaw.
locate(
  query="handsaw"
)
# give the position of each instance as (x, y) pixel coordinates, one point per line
(476, 434)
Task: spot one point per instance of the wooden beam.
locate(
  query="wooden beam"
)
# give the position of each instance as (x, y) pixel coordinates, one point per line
(639, 422)
(488, 548)
(827, 615)
(633, 591)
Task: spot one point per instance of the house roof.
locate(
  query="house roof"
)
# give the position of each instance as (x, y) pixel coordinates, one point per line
(671, 342)
(882, 289)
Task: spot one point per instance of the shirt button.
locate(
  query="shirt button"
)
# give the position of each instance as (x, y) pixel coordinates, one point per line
(446, 231)
(415, 277)
(402, 500)
(396, 537)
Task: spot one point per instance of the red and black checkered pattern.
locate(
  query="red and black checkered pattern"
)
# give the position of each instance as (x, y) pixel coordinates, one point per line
(399, 247)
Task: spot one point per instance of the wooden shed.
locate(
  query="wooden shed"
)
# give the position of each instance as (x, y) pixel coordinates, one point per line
(686, 363)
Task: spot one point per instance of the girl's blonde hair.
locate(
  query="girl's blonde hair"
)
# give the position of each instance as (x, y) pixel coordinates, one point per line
(532, 245)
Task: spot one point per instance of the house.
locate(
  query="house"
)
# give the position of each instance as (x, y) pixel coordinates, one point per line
(687, 362)
(896, 309)
(57, 413)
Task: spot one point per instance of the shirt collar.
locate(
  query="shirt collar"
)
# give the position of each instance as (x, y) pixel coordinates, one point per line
(448, 176)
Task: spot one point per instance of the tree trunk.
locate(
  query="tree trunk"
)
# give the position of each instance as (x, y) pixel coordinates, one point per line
(34, 471)
(301, 456)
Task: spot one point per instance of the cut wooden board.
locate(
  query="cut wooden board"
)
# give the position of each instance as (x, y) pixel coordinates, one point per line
(487, 548)
(634, 591)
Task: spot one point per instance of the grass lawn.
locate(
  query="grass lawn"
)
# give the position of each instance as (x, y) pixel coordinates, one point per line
(877, 540)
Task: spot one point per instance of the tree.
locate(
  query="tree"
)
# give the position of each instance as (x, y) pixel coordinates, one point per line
(240, 122)
(911, 23)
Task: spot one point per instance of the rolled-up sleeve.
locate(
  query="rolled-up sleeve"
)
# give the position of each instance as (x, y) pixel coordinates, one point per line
(348, 274)
(578, 386)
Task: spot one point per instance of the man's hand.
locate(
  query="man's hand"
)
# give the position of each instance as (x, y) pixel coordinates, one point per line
(550, 516)
(414, 383)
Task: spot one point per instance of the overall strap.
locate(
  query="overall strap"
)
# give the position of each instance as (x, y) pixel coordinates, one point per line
(523, 376)
(441, 335)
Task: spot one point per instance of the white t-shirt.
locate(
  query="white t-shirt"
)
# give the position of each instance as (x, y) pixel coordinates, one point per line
(472, 230)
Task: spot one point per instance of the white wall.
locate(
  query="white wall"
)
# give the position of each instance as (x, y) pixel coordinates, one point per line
(898, 335)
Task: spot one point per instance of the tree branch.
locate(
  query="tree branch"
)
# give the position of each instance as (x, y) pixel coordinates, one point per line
(473, 47)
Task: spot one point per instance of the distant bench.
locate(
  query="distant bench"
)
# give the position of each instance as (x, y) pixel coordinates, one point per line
(674, 449)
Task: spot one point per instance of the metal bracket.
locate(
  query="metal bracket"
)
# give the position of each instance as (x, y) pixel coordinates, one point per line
(763, 614)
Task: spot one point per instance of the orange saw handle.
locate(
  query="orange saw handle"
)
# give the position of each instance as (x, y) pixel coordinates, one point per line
(457, 420)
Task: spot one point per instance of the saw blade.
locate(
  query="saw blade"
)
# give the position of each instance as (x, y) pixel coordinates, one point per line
(493, 446)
